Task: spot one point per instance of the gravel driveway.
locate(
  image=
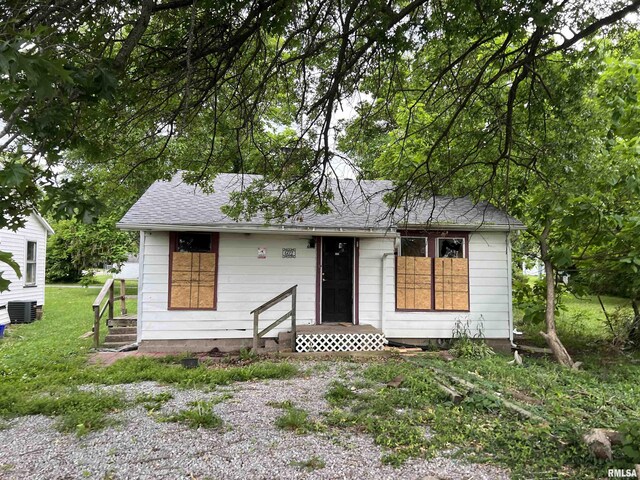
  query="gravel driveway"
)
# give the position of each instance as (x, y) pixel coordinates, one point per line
(248, 447)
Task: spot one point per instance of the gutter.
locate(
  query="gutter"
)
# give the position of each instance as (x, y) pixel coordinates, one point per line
(235, 228)
(510, 284)
(317, 231)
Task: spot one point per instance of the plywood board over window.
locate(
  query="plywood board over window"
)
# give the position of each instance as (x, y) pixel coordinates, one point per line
(413, 283)
(451, 283)
(193, 273)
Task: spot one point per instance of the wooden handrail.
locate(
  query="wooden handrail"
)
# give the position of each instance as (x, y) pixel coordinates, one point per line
(107, 286)
(257, 335)
(108, 291)
(275, 300)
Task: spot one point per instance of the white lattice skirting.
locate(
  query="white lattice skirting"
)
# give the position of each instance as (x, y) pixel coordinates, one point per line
(340, 342)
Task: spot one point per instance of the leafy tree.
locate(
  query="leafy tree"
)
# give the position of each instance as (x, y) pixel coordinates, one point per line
(462, 89)
(77, 246)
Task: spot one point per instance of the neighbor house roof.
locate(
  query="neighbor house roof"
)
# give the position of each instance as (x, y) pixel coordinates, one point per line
(356, 206)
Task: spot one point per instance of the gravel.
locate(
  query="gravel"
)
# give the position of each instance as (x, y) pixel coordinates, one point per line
(249, 446)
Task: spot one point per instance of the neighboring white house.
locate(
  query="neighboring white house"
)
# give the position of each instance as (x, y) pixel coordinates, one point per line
(29, 248)
(411, 275)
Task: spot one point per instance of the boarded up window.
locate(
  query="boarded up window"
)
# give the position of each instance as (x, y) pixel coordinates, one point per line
(451, 283)
(193, 273)
(413, 290)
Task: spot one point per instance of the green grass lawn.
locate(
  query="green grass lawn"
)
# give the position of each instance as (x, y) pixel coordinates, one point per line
(581, 322)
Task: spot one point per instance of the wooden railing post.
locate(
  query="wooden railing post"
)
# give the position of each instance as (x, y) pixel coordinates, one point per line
(123, 297)
(293, 319)
(99, 309)
(256, 314)
(111, 302)
(96, 326)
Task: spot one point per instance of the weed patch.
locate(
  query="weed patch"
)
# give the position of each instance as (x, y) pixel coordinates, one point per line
(153, 402)
(200, 415)
(309, 465)
(296, 419)
(418, 419)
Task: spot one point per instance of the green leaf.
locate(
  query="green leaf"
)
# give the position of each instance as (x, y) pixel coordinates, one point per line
(6, 257)
(14, 174)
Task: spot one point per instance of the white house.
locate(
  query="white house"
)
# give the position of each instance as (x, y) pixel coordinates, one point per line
(29, 248)
(409, 276)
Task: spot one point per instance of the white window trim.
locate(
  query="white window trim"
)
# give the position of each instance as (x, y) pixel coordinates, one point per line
(426, 244)
(464, 246)
(27, 262)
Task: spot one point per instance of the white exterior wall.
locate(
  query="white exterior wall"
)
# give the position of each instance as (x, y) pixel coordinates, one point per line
(16, 243)
(489, 288)
(244, 283)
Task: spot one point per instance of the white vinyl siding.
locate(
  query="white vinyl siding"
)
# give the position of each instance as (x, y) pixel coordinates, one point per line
(16, 243)
(244, 283)
(488, 287)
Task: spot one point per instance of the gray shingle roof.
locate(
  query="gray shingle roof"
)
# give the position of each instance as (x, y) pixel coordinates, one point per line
(356, 206)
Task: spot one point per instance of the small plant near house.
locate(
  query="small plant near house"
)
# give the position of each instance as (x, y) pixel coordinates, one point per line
(309, 465)
(467, 344)
(247, 355)
(200, 415)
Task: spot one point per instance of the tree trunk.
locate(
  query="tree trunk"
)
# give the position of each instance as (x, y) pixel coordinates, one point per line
(551, 336)
(634, 333)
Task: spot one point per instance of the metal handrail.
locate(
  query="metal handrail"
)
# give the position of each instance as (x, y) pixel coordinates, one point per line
(257, 335)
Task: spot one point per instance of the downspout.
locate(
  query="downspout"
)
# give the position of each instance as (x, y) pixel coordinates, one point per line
(141, 261)
(384, 289)
(510, 287)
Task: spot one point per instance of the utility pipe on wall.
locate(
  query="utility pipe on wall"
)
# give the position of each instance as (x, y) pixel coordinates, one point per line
(384, 289)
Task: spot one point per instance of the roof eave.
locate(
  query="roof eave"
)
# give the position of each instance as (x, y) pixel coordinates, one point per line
(267, 229)
(482, 227)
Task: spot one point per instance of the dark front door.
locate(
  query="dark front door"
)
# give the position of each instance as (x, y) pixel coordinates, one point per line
(337, 279)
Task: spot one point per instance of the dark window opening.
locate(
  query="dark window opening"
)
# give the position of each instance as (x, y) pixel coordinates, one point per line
(450, 248)
(193, 242)
(413, 247)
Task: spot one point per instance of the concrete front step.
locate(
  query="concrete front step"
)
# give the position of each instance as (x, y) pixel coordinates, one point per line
(124, 339)
(114, 345)
(123, 331)
(122, 322)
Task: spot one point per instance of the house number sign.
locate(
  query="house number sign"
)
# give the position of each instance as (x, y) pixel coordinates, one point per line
(288, 253)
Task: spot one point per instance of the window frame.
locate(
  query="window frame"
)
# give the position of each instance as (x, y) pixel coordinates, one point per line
(465, 249)
(431, 239)
(33, 262)
(215, 248)
(426, 244)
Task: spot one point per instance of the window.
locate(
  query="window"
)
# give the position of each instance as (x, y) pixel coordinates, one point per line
(413, 246)
(193, 242)
(450, 247)
(30, 270)
(432, 272)
(193, 261)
